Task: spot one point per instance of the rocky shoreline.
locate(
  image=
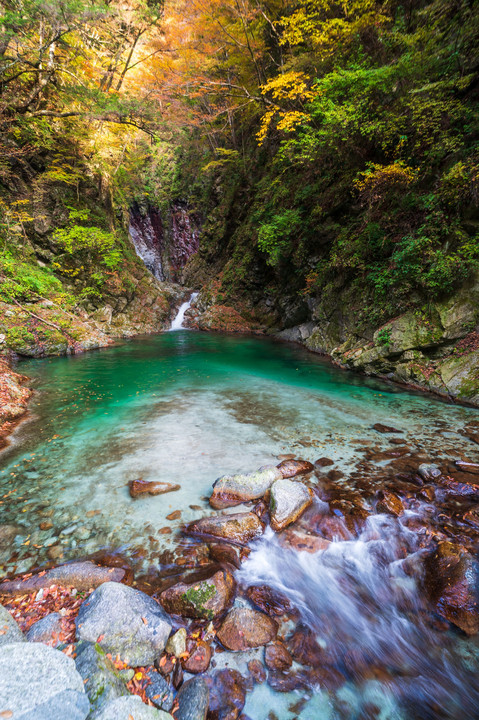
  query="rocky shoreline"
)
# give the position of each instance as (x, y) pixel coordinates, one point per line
(190, 644)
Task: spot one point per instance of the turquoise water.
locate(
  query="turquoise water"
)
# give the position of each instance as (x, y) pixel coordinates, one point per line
(182, 407)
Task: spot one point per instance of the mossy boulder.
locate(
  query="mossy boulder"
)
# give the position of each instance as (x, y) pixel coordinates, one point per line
(206, 598)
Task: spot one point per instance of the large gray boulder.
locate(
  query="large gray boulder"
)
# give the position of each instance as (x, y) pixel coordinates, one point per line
(193, 699)
(47, 630)
(101, 680)
(38, 682)
(9, 630)
(131, 708)
(124, 622)
(231, 490)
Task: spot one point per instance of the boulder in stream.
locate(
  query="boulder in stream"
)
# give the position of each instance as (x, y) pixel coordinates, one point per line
(244, 629)
(126, 708)
(389, 503)
(124, 622)
(80, 575)
(291, 468)
(9, 630)
(205, 598)
(150, 487)
(239, 528)
(101, 680)
(46, 630)
(193, 698)
(288, 501)
(452, 584)
(227, 694)
(40, 683)
(231, 490)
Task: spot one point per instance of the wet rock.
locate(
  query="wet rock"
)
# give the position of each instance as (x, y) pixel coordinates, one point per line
(239, 528)
(55, 553)
(8, 534)
(459, 489)
(286, 681)
(468, 467)
(227, 694)
(244, 628)
(47, 630)
(165, 664)
(193, 699)
(452, 585)
(174, 515)
(176, 644)
(232, 490)
(150, 487)
(389, 503)
(257, 671)
(199, 657)
(277, 657)
(125, 622)
(304, 648)
(9, 630)
(177, 677)
(379, 427)
(332, 528)
(291, 468)
(81, 575)
(303, 542)
(203, 599)
(126, 708)
(159, 690)
(270, 601)
(328, 678)
(429, 471)
(287, 502)
(101, 680)
(323, 462)
(40, 683)
(225, 554)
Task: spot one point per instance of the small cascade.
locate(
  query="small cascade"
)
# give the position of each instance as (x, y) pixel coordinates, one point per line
(177, 323)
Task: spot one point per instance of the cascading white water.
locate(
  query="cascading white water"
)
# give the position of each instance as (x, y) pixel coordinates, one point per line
(177, 323)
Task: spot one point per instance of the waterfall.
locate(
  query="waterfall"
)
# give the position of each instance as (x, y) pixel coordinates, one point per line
(177, 323)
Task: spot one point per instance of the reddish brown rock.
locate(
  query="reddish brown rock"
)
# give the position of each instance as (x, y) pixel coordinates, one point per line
(257, 671)
(239, 528)
(199, 657)
(459, 489)
(291, 468)
(303, 542)
(203, 599)
(174, 515)
(227, 694)
(244, 628)
(277, 657)
(452, 584)
(389, 503)
(286, 681)
(332, 528)
(379, 427)
(80, 575)
(323, 462)
(270, 601)
(150, 487)
(225, 554)
(305, 649)
(468, 467)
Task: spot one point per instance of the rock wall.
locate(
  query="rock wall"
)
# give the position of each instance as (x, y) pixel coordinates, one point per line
(165, 246)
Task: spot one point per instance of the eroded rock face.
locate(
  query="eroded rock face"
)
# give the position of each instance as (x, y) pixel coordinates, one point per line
(204, 599)
(124, 622)
(231, 490)
(452, 584)
(238, 528)
(244, 628)
(81, 575)
(287, 502)
(227, 694)
(150, 487)
(40, 683)
(291, 468)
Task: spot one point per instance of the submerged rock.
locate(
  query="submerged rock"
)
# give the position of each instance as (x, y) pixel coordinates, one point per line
(101, 680)
(9, 630)
(199, 657)
(389, 503)
(150, 487)
(244, 629)
(193, 699)
(203, 599)
(291, 468)
(126, 708)
(268, 600)
(239, 528)
(40, 683)
(227, 694)
(47, 630)
(231, 490)
(81, 575)
(452, 584)
(379, 427)
(287, 502)
(277, 657)
(125, 622)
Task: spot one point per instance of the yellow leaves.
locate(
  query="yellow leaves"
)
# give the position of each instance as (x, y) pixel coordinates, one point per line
(290, 86)
(378, 181)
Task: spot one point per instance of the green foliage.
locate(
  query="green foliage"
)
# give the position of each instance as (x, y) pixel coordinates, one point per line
(19, 337)
(21, 278)
(275, 236)
(383, 337)
(89, 244)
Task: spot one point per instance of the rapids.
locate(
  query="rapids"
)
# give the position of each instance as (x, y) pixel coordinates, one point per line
(186, 407)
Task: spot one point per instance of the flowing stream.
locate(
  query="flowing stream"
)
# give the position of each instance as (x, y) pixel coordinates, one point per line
(187, 407)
